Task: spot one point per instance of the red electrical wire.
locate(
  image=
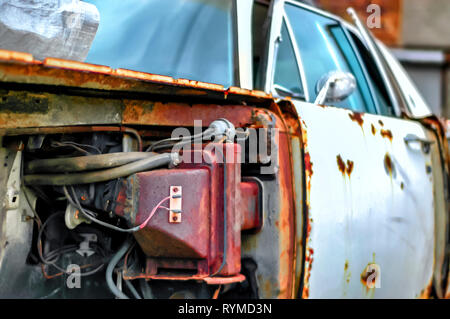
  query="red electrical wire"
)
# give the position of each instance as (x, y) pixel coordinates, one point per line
(153, 212)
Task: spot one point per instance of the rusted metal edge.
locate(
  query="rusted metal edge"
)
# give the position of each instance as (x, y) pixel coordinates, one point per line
(209, 280)
(21, 67)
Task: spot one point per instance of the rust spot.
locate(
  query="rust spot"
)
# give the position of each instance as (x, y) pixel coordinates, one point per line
(381, 122)
(356, 117)
(308, 229)
(426, 292)
(309, 261)
(349, 169)
(344, 168)
(347, 274)
(369, 276)
(305, 293)
(16, 56)
(308, 164)
(144, 76)
(386, 134)
(341, 164)
(75, 65)
(374, 130)
(388, 163)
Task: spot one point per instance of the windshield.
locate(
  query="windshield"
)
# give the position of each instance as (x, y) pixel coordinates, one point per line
(181, 38)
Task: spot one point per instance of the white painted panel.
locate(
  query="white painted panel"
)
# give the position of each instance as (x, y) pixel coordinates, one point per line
(371, 216)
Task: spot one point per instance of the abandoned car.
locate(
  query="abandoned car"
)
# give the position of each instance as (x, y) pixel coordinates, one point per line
(217, 149)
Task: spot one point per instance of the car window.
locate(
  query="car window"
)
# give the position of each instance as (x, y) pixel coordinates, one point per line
(181, 38)
(287, 77)
(324, 47)
(373, 76)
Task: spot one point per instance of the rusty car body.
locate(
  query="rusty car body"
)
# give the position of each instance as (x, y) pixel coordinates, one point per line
(352, 203)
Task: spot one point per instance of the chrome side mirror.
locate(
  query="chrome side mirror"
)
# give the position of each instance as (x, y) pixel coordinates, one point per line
(335, 86)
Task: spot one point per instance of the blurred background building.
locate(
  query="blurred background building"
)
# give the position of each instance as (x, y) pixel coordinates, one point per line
(418, 33)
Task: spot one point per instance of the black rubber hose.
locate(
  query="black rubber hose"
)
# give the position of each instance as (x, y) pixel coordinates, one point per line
(84, 163)
(102, 175)
(112, 264)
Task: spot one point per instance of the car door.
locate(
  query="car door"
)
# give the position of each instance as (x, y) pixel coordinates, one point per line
(369, 217)
(417, 107)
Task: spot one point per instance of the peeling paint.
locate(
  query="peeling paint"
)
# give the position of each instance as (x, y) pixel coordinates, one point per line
(388, 165)
(308, 164)
(386, 134)
(343, 168)
(347, 274)
(341, 164)
(357, 117)
(349, 168)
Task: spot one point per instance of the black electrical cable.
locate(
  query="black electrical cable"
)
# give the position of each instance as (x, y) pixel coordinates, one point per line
(46, 261)
(112, 264)
(41, 227)
(55, 254)
(76, 146)
(87, 213)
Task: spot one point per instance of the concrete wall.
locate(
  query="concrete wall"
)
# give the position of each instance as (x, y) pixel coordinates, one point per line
(428, 80)
(426, 23)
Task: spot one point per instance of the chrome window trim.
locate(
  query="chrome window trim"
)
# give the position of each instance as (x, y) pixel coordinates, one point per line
(244, 58)
(278, 16)
(276, 11)
(375, 52)
(298, 58)
(314, 9)
(363, 66)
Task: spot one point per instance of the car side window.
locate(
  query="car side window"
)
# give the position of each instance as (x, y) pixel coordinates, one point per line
(287, 79)
(373, 76)
(324, 47)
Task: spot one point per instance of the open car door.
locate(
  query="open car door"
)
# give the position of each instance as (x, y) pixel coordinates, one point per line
(369, 213)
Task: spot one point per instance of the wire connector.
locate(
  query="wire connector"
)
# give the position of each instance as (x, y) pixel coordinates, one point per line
(175, 204)
(223, 127)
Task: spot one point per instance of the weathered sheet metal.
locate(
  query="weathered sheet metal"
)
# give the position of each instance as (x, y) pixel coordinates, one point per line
(370, 206)
(60, 93)
(20, 67)
(275, 271)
